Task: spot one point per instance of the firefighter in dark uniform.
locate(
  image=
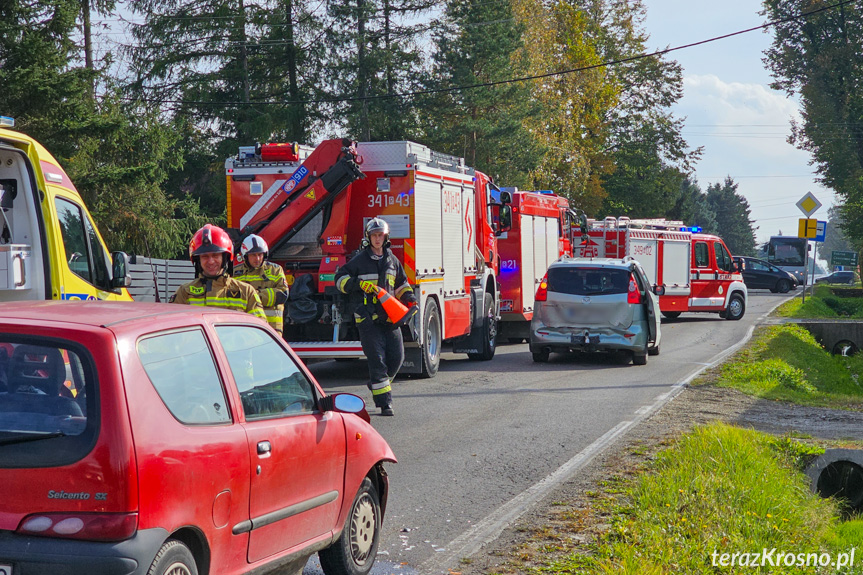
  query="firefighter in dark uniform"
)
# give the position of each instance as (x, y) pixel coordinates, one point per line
(210, 250)
(267, 278)
(375, 266)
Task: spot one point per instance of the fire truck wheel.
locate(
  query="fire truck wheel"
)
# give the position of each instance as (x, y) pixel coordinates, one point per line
(431, 339)
(671, 314)
(736, 307)
(488, 330)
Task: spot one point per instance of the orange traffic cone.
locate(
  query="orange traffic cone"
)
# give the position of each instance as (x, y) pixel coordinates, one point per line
(398, 312)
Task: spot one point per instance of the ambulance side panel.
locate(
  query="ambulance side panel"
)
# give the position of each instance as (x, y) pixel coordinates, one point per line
(23, 262)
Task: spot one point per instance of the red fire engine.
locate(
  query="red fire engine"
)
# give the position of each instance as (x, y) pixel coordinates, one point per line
(694, 269)
(311, 206)
(539, 235)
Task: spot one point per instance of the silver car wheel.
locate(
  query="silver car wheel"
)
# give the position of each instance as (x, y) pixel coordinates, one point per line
(363, 524)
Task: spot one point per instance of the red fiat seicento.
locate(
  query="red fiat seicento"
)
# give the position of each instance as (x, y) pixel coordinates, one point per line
(161, 439)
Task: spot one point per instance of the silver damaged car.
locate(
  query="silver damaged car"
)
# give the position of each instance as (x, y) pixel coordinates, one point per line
(596, 305)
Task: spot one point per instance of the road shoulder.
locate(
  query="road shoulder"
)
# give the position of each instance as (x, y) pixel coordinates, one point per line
(568, 520)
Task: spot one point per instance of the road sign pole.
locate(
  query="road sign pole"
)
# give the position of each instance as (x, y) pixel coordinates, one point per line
(805, 271)
(814, 263)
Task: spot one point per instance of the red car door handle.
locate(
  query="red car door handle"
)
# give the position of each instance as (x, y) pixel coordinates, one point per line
(264, 447)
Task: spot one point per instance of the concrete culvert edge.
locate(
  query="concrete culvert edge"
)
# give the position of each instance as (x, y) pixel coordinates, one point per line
(839, 473)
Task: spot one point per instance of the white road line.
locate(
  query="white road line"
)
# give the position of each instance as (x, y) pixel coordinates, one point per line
(490, 527)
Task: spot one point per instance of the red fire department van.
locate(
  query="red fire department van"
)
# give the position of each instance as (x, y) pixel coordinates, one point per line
(695, 270)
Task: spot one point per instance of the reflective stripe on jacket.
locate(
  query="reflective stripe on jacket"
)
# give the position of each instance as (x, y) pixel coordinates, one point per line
(224, 292)
(268, 280)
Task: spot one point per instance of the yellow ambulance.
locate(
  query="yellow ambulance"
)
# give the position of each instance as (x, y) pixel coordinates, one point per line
(49, 246)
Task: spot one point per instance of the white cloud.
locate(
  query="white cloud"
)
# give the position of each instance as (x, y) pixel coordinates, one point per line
(743, 129)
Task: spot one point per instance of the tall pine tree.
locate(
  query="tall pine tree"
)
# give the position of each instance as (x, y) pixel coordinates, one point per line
(478, 44)
(374, 56)
(732, 217)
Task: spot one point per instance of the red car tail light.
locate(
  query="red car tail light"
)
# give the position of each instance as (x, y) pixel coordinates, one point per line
(85, 526)
(632, 296)
(542, 290)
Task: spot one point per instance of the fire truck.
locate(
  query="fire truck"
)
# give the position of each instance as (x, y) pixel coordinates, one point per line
(311, 206)
(50, 248)
(539, 235)
(694, 270)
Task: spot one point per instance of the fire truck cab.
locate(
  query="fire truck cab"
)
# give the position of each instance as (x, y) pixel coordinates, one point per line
(49, 246)
(693, 271)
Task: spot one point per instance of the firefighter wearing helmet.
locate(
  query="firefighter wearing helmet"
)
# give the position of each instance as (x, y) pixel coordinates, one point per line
(267, 278)
(210, 250)
(372, 268)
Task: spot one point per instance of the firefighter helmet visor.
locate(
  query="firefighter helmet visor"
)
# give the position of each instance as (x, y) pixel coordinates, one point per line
(377, 225)
(254, 245)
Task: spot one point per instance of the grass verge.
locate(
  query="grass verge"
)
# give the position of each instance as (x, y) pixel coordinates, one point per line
(824, 304)
(719, 490)
(785, 362)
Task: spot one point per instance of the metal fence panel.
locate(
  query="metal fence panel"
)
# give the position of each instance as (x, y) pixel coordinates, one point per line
(152, 277)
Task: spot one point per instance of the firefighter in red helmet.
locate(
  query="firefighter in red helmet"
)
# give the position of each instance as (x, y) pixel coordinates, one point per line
(267, 278)
(210, 250)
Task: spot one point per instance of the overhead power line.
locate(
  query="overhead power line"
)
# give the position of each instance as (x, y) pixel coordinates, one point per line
(415, 93)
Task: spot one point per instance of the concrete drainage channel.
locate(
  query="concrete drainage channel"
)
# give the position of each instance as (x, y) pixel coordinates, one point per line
(839, 337)
(839, 473)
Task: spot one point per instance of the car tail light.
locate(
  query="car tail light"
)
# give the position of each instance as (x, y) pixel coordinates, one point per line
(632, 296)
(85, 526)
(542, 290)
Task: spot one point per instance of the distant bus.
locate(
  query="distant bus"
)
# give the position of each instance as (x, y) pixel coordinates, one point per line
(789, 253)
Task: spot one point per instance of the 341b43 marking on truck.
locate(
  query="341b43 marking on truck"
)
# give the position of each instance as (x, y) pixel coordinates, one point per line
(384, 200)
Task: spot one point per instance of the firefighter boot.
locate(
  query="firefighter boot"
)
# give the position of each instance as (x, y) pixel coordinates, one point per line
(388, 409)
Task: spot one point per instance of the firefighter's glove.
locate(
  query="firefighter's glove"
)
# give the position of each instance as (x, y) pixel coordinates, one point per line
(368, 287)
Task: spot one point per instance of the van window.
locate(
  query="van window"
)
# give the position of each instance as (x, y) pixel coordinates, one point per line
(45, 388)
(587, 281)
(269, 382)
(702, 256)
(181, 368)
(723, 258)
(84, 252)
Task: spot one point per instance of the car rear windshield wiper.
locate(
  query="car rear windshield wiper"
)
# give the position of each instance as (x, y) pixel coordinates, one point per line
(36, 436)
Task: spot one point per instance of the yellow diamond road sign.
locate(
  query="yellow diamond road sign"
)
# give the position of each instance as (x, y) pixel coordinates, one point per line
(809, 204)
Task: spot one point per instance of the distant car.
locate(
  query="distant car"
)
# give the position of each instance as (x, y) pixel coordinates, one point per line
(595, 305)
(758, 274)
(156, 439)
(843, 277)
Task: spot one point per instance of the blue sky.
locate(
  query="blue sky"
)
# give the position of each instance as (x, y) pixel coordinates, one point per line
(731, 111)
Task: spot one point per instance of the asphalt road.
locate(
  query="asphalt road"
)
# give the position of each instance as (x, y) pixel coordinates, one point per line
(483, 441)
